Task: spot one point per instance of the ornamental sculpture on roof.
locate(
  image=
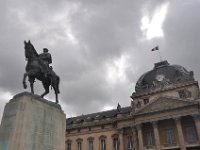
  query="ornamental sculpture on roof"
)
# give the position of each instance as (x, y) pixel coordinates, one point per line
(38, 68)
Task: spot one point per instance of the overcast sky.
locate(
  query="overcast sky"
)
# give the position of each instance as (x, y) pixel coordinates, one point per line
(99, 47)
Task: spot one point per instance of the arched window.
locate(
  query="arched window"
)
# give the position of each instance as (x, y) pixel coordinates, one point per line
(79, 143)
(90, 143)
(115, 138)
(69, 145)
(102, 142)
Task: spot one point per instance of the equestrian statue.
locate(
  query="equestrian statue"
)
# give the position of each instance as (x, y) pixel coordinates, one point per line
(38, 68)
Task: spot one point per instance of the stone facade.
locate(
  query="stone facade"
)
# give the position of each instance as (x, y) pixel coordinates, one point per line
(165, 117)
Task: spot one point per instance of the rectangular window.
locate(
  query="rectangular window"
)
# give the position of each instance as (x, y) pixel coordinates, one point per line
(170, 136)
(103, 144)
(191, 134)
(150, 138)
(68, 146)
(130, 143)
(115, 144)
(90, 145)
(79, 146)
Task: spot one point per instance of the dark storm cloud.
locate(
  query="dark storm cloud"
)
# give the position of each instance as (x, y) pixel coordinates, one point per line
(103, 29)
(98, 47)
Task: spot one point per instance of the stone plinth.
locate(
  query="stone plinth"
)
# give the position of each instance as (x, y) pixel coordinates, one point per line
(32, 123)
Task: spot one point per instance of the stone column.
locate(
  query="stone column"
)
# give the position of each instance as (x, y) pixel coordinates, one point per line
(156, 135)
(121, 139)
(180, 133)
(140, 137)
(197, 125)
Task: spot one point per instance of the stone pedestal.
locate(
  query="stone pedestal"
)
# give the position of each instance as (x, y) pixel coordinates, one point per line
(32, 123)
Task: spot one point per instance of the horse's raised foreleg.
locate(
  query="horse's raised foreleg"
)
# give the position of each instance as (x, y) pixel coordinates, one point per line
(24, 80)
(31, 80)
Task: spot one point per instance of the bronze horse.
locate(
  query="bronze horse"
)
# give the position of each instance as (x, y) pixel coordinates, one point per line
(34, 71)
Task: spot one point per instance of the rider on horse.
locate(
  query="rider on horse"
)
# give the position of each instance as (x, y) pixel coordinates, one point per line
(46, 60)
(38, 68)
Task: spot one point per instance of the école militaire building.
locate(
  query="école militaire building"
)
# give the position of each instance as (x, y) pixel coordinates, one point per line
(164, 115)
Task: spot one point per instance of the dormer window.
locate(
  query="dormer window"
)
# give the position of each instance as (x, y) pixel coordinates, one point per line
(103, 117)
(184, 93)
(146, 101)
(79, 130)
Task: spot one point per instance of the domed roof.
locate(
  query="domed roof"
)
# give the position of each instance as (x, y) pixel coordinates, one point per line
(162, 75)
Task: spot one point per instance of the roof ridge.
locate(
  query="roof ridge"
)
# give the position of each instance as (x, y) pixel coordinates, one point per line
(100, 112)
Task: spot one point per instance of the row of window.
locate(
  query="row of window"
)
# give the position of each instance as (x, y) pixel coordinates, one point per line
(149, 140)
(102, 141)
(170, 138)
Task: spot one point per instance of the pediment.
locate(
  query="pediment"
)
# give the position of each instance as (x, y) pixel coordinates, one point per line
(164, 103)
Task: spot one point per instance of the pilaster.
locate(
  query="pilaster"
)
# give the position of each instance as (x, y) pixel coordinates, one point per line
(135, 144)
(180, 133)
(197, 125)
(121, 139)
(156, 135)
(140, 138)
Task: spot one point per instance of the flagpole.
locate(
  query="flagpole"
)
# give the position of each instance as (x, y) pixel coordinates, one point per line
(160, 55)
(157, 49)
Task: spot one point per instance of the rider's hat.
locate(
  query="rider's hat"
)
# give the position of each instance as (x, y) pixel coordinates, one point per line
(45, 50)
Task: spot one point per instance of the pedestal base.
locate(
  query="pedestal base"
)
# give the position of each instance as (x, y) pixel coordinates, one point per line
(32, 123)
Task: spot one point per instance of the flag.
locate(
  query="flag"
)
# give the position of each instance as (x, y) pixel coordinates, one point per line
(155, 48)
